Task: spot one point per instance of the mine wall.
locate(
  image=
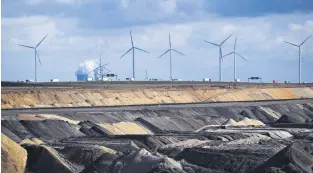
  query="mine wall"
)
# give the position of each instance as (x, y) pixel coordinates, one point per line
(274, 134)
(74, 97)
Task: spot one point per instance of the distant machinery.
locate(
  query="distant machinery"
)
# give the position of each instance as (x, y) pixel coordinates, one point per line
(235, 53)
(255, 78)
(133, 49)
(220, 55)
(170, 51)
(36, 54)
(82, 77)
(299, 46)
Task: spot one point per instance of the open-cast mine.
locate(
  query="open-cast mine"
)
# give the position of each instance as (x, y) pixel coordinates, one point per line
(79, 130)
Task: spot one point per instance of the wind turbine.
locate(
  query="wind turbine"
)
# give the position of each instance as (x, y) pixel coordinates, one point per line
(36, 54)
(133, 49)
(170, 50)
(235, 53)
(100, 68)
(299, 46)
(221, 56)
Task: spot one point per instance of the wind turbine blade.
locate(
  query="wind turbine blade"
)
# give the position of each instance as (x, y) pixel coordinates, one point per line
(241, 56)
(178, 52)
(164, 53)
(211, 43)
(141, 49)
(107, 69)
(225, 40)
(169, 38)
(235, 44)
(106, 64)
(42, 40)
(291, 44)
(228, 54)
(131, 37)
(126, 52)
(305, 40)
(37, 55)
(27, 46)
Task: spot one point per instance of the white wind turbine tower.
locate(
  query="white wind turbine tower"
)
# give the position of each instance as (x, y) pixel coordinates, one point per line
(220, 55)
(170, 51)
(235, 53)
(299, 46)
(36, 54)
(133, 49)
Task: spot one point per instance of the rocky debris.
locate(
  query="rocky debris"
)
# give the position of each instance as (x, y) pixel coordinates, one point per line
(144, 161)
(13, 156)
(222, 161)
(291, 159)
(46, 159)
(102, 164)
(236, 156)
(82, 156)
(175, 148)
(252, 139)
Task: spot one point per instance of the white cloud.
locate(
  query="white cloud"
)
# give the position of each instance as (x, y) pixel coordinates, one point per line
(295, 27)
(169, 6)
(34, 2)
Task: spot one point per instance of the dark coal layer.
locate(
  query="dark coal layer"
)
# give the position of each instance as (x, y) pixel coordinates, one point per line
(51, 129)
(291, 159)
(196, 117)
(80, 155)
(102, 164)
(39, 159)
(230, 158)
(77, 148)
(18, 130)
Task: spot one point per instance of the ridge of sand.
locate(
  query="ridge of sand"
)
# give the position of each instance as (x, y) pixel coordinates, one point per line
(13, 156)
(123, 128)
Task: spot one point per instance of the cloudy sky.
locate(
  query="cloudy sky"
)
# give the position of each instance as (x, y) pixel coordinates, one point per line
(80, 30)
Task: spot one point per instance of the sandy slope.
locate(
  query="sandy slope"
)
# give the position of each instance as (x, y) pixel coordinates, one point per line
(13, 156)
(99, 97)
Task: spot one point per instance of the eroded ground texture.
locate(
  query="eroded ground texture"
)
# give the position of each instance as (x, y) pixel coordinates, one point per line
(11, 98)
(269, 138)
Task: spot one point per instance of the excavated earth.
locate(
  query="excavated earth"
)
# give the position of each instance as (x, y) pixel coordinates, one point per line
(271, 138)
(51, 97)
